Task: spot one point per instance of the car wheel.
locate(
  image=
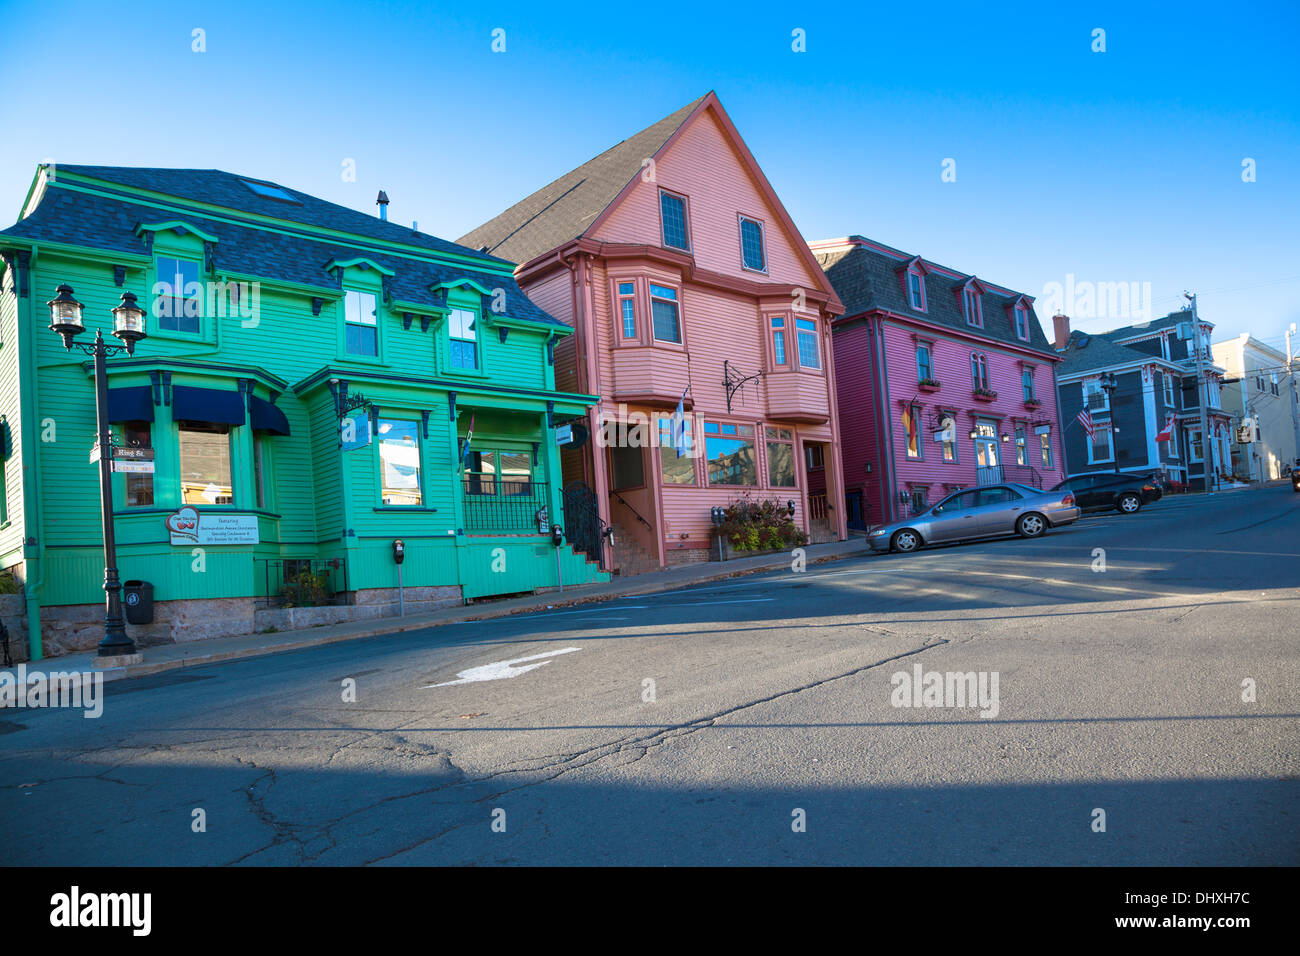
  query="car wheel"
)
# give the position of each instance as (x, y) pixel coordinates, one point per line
(905, 540)
(1129, 504)
(1031, 525)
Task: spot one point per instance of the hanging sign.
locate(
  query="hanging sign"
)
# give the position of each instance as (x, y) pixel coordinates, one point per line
(354, 431)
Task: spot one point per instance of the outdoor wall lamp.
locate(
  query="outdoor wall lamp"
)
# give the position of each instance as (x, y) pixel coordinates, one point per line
(1006, 437)
(973, 434)
(128, 325)
(790, 505)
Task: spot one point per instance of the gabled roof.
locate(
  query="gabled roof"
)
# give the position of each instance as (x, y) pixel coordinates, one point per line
(866, 277)
(566, 208)
(1088, 353)
(110, 219)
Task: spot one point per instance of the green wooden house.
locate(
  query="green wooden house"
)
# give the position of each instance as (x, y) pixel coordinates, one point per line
(307, 386)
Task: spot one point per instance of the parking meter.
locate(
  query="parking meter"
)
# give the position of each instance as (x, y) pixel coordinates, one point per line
(399, 550)
(399, 555)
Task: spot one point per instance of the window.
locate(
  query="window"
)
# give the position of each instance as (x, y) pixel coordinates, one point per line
(780, 457)
(1022, 323)
(360, 325)
(462, 327)
(1259, 381)
(916, 290)
(948, 437)
(912, 431)
(814, 457)
(778, 340)
(672, 210)
(205, 464)
(674, 469)
(663, 310)
(269, 190)
(920, 499)
(1022, 452)
(505, 473)
(1095, 398)
(924, 364)
(1168, 383)
(1027, 383)
(627, 308)
(979, 371)
(399, 463)
(139, 488)
(1273, 383)
(179, 305)
(627, 467)
(962, 501)
(751, 245)
(259, 476)
(809, 353)
(971, 301)
(1100, 447)
(1045, 447)
(1195, 451)
(998, 496)
(730, 452)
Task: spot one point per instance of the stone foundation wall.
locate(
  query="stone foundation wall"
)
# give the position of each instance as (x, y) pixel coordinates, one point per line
(678, 557)
(77, 628)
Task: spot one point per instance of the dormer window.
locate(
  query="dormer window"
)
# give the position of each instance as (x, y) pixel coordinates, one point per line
(916, 289)
(1021, 316)
(971, 305)
(361, 326)
(463, 331)
(179, 305)
(672, 211)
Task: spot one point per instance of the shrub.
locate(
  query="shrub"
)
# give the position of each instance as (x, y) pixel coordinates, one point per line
(10, 584)
(761, 526)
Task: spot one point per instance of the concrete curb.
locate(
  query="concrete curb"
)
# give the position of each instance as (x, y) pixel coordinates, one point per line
(259, 645)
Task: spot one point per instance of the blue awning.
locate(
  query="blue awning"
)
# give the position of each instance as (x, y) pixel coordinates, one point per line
(210, 405)
(266, 417)
(134, 404)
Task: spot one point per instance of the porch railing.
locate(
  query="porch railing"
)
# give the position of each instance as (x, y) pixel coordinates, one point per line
(817, 507)
(505, 505)
(988, 475)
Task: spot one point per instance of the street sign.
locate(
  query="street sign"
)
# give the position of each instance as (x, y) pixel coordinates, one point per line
(133, 467)
(135, 454)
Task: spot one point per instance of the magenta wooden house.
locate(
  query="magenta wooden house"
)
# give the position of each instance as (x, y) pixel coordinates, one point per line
(679, 269)
(944, 381)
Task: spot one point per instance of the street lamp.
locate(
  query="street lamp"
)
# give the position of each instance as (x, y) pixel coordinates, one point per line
(128, 325)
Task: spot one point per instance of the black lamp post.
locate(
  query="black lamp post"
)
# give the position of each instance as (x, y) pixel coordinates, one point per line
(128, 325)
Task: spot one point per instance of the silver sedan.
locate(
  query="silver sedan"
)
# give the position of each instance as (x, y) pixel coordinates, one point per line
(980, 513)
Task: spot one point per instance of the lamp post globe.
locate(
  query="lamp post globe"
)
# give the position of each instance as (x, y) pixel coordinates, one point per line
(65, 315)
(128, 322)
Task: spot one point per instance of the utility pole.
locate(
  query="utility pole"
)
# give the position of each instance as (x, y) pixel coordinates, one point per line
(1290, 376)
(1207, 449)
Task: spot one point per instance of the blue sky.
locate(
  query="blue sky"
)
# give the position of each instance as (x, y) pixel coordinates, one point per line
(1122, 166)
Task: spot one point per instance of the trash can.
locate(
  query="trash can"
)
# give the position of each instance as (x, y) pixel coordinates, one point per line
(138, 598)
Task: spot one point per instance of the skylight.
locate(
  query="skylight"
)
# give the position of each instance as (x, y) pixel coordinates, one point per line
(269, 190)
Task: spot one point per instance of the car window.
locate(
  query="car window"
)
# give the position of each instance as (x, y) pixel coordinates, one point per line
(963, 501)
(997, 496)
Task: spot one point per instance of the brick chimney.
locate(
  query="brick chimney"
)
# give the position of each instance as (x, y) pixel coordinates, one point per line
(1061, 326)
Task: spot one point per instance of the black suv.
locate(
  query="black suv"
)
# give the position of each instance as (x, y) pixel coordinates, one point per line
(1105, 491)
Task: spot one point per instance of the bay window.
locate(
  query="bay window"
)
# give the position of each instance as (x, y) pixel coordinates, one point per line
(664, 313)
(778, 340)
(809, 353)
(627, 308)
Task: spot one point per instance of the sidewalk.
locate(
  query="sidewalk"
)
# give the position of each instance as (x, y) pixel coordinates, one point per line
(165, 657)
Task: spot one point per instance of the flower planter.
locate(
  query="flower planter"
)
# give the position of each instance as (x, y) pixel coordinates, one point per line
(986, 396)
(928, 386)
(1033, 404)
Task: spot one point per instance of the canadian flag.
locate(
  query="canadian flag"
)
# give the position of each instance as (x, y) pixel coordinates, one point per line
(1168, 433)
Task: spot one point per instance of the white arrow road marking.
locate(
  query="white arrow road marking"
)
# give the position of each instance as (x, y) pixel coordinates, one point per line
(502, 669)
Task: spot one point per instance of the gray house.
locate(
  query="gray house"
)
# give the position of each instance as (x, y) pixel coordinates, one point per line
(1139, 385)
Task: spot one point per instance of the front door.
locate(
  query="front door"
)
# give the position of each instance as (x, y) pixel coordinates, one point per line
(856, 518)
(987, 467)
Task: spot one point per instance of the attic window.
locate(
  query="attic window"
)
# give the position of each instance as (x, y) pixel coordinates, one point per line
(1022, 323)
(269, 190)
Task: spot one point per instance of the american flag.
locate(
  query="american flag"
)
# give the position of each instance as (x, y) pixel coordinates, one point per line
(1085, 419)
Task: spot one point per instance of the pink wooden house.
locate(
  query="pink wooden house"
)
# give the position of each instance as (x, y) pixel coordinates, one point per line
(682, 273)
(945, 381)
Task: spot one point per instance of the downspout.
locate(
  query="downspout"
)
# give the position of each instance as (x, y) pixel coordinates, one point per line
(586, 345)
(33, 514)
(840, 492)
(886, 460)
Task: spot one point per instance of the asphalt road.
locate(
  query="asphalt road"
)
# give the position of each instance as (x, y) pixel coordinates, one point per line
(1119, 690)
